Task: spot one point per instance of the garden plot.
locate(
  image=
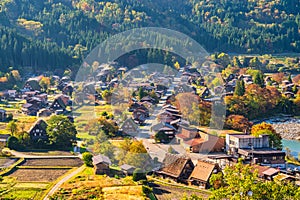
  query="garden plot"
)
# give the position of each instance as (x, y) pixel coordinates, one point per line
(53, 162)
(37, 175)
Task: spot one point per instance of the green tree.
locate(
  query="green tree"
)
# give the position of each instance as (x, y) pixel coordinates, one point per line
(12, 126)
(239, 88)
(13, 143)
(258, 79)
(236, 62)
(87, 159)
(242, 182)
(61, 132)
(141, 93)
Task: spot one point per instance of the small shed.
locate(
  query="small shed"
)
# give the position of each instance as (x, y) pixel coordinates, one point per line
(101, 164)
(127, 169)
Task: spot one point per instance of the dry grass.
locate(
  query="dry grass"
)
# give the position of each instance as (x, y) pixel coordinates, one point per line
(123, 192)
(85, 185)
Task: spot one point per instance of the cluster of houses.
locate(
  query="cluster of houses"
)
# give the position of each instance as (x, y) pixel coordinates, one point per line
(177, 168)
(286, 87)
(183, 169)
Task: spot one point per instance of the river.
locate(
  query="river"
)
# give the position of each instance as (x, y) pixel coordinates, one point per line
(293, 145)
(289, 128)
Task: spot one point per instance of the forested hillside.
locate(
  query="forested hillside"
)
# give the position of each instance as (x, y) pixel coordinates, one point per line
(59, 33)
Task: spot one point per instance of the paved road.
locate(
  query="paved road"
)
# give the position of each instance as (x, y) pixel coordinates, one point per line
(66, 178)
(158, 150)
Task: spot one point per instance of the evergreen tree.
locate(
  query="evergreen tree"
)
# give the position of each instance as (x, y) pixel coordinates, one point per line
(258, 79)
(239, 88)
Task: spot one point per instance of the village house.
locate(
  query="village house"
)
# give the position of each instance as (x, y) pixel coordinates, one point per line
(38, 131)
(101, 164)
(139, 115)
(164, 128)
(30, 109)
(3, 115)
(270, 173)
(61, 102)
(127, 169)
(184, 88)
(44, 112)
(148, 99)
(204, 92)
(68, 89)
(254, 149)
(199, 142)
(202, 173)
(10, 94)
(176, 167)
(129, 127)
(33, 84)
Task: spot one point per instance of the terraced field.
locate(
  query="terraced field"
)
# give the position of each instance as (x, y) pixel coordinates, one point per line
(71, 162)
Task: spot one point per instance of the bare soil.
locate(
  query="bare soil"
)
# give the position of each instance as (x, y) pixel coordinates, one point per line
(72, 162)
(38, 175)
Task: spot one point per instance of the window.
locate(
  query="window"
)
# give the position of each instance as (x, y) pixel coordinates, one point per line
(274, 158)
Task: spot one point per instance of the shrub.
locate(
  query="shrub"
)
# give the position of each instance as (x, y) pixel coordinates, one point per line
(87, 159)
(13, 142)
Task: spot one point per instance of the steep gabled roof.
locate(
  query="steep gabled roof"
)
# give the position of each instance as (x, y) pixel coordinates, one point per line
(101, 159)
(203, 170)
(41, 123)
(173, 165)
(127, 167)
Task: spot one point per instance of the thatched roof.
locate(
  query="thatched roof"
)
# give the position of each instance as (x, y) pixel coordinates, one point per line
(173, 165)
(203, 170)
(101, 159)
(39, 123)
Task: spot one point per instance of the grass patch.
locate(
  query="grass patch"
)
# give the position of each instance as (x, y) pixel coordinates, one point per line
(87, 171)
(23, 194)
(34, 185)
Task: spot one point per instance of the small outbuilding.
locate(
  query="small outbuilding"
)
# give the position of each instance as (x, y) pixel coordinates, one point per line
(101, 164)
(127, 169)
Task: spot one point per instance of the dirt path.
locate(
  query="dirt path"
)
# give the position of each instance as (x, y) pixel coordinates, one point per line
(66, 178)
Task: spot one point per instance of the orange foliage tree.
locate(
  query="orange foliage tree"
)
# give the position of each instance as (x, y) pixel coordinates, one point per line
(265, 128)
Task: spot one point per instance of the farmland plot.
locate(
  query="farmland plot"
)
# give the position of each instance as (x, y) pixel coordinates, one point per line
(38, 175)
(51, 162)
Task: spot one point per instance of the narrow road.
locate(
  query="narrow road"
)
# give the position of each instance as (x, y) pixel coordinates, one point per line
(66, 178)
